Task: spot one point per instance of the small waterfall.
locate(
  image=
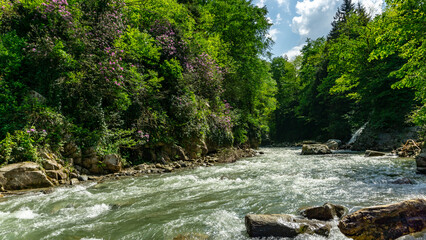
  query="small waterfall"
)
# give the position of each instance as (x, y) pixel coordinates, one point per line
(357, 134)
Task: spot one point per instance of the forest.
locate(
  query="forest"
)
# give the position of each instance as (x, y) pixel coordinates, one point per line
(130, 77)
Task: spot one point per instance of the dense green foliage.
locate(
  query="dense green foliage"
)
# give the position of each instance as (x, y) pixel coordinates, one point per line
(124, 76)
(130, 77)
(367, 70)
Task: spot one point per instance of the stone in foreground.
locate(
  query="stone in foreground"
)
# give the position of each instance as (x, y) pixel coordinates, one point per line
(283, 225)
(325, 212)
(24, 175)
(386, 221)
(312, 149)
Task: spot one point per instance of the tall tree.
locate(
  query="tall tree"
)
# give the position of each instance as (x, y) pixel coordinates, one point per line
(340, 18)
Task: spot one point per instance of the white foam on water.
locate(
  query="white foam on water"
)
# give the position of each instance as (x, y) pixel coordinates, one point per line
(25, 213)
(97, 210)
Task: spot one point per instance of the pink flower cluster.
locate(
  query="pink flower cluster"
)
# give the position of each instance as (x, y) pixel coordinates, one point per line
(207, 74)
(112, 69)
(223, 118)
(59, 7)
(167, 38)
(143, 136)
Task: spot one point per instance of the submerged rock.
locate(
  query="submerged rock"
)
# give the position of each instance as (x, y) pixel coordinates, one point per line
(371, 153)
(24, 175)
(283, 225)
(402, 181)
(385, 221)
(311, 149)
(325, 212)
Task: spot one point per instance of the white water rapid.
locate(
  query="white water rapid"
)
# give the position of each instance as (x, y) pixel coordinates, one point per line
(212, 200)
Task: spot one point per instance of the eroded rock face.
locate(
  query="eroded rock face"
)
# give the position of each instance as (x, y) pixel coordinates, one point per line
(283, 225)
(23, 175)
(312, 149)
(386, 221)
(325, 212)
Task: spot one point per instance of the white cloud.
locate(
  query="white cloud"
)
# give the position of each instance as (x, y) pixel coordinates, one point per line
(315, 17)
(261, 3)
(278, 19)
(295, 51)
(273, 32)
(373, 6)
(285, 3)
(270, 21)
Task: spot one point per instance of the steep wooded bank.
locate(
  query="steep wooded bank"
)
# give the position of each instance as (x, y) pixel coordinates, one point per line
(152, 81)
(163, 80)
(366, 70)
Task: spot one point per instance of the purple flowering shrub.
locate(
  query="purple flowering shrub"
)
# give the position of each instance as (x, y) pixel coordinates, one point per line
(221, 124)
(205, 75)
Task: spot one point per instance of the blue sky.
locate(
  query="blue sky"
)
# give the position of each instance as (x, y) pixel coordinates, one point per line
(296, 20)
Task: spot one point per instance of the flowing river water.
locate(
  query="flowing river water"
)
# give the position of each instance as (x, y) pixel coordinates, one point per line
(211, 201)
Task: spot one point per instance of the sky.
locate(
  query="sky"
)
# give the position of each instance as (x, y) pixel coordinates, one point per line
(296, 20)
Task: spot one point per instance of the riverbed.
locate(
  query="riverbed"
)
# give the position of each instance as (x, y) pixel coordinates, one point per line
(211, 201)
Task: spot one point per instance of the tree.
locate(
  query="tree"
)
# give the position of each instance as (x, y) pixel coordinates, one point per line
(400, 31)
(340, 18)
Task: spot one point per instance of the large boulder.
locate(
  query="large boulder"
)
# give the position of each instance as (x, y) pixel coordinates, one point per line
(112, 163)
(381, 140)
(421, 162)
(312, 149)
(283, 225)
(24, 175)
(386, 221)
(325, 212)
(333, 144)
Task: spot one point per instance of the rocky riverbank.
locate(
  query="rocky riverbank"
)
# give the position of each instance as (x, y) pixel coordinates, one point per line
(382, 222)
(21, 177)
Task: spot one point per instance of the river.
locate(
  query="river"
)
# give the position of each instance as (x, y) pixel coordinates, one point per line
(212, 200)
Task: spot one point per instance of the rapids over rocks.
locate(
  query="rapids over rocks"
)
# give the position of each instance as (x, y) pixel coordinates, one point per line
(211, 201)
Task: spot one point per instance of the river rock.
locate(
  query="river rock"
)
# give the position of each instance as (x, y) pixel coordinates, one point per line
(74, 181)
(83, 178)
(24, 175)
(421, 162)
(312, 149)
(191, 236)
(333, 144)
(325, 212)
(403, 181)
(371, 153)
(57, 174)
(112, 163)
(385, 221)
(283, 225)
